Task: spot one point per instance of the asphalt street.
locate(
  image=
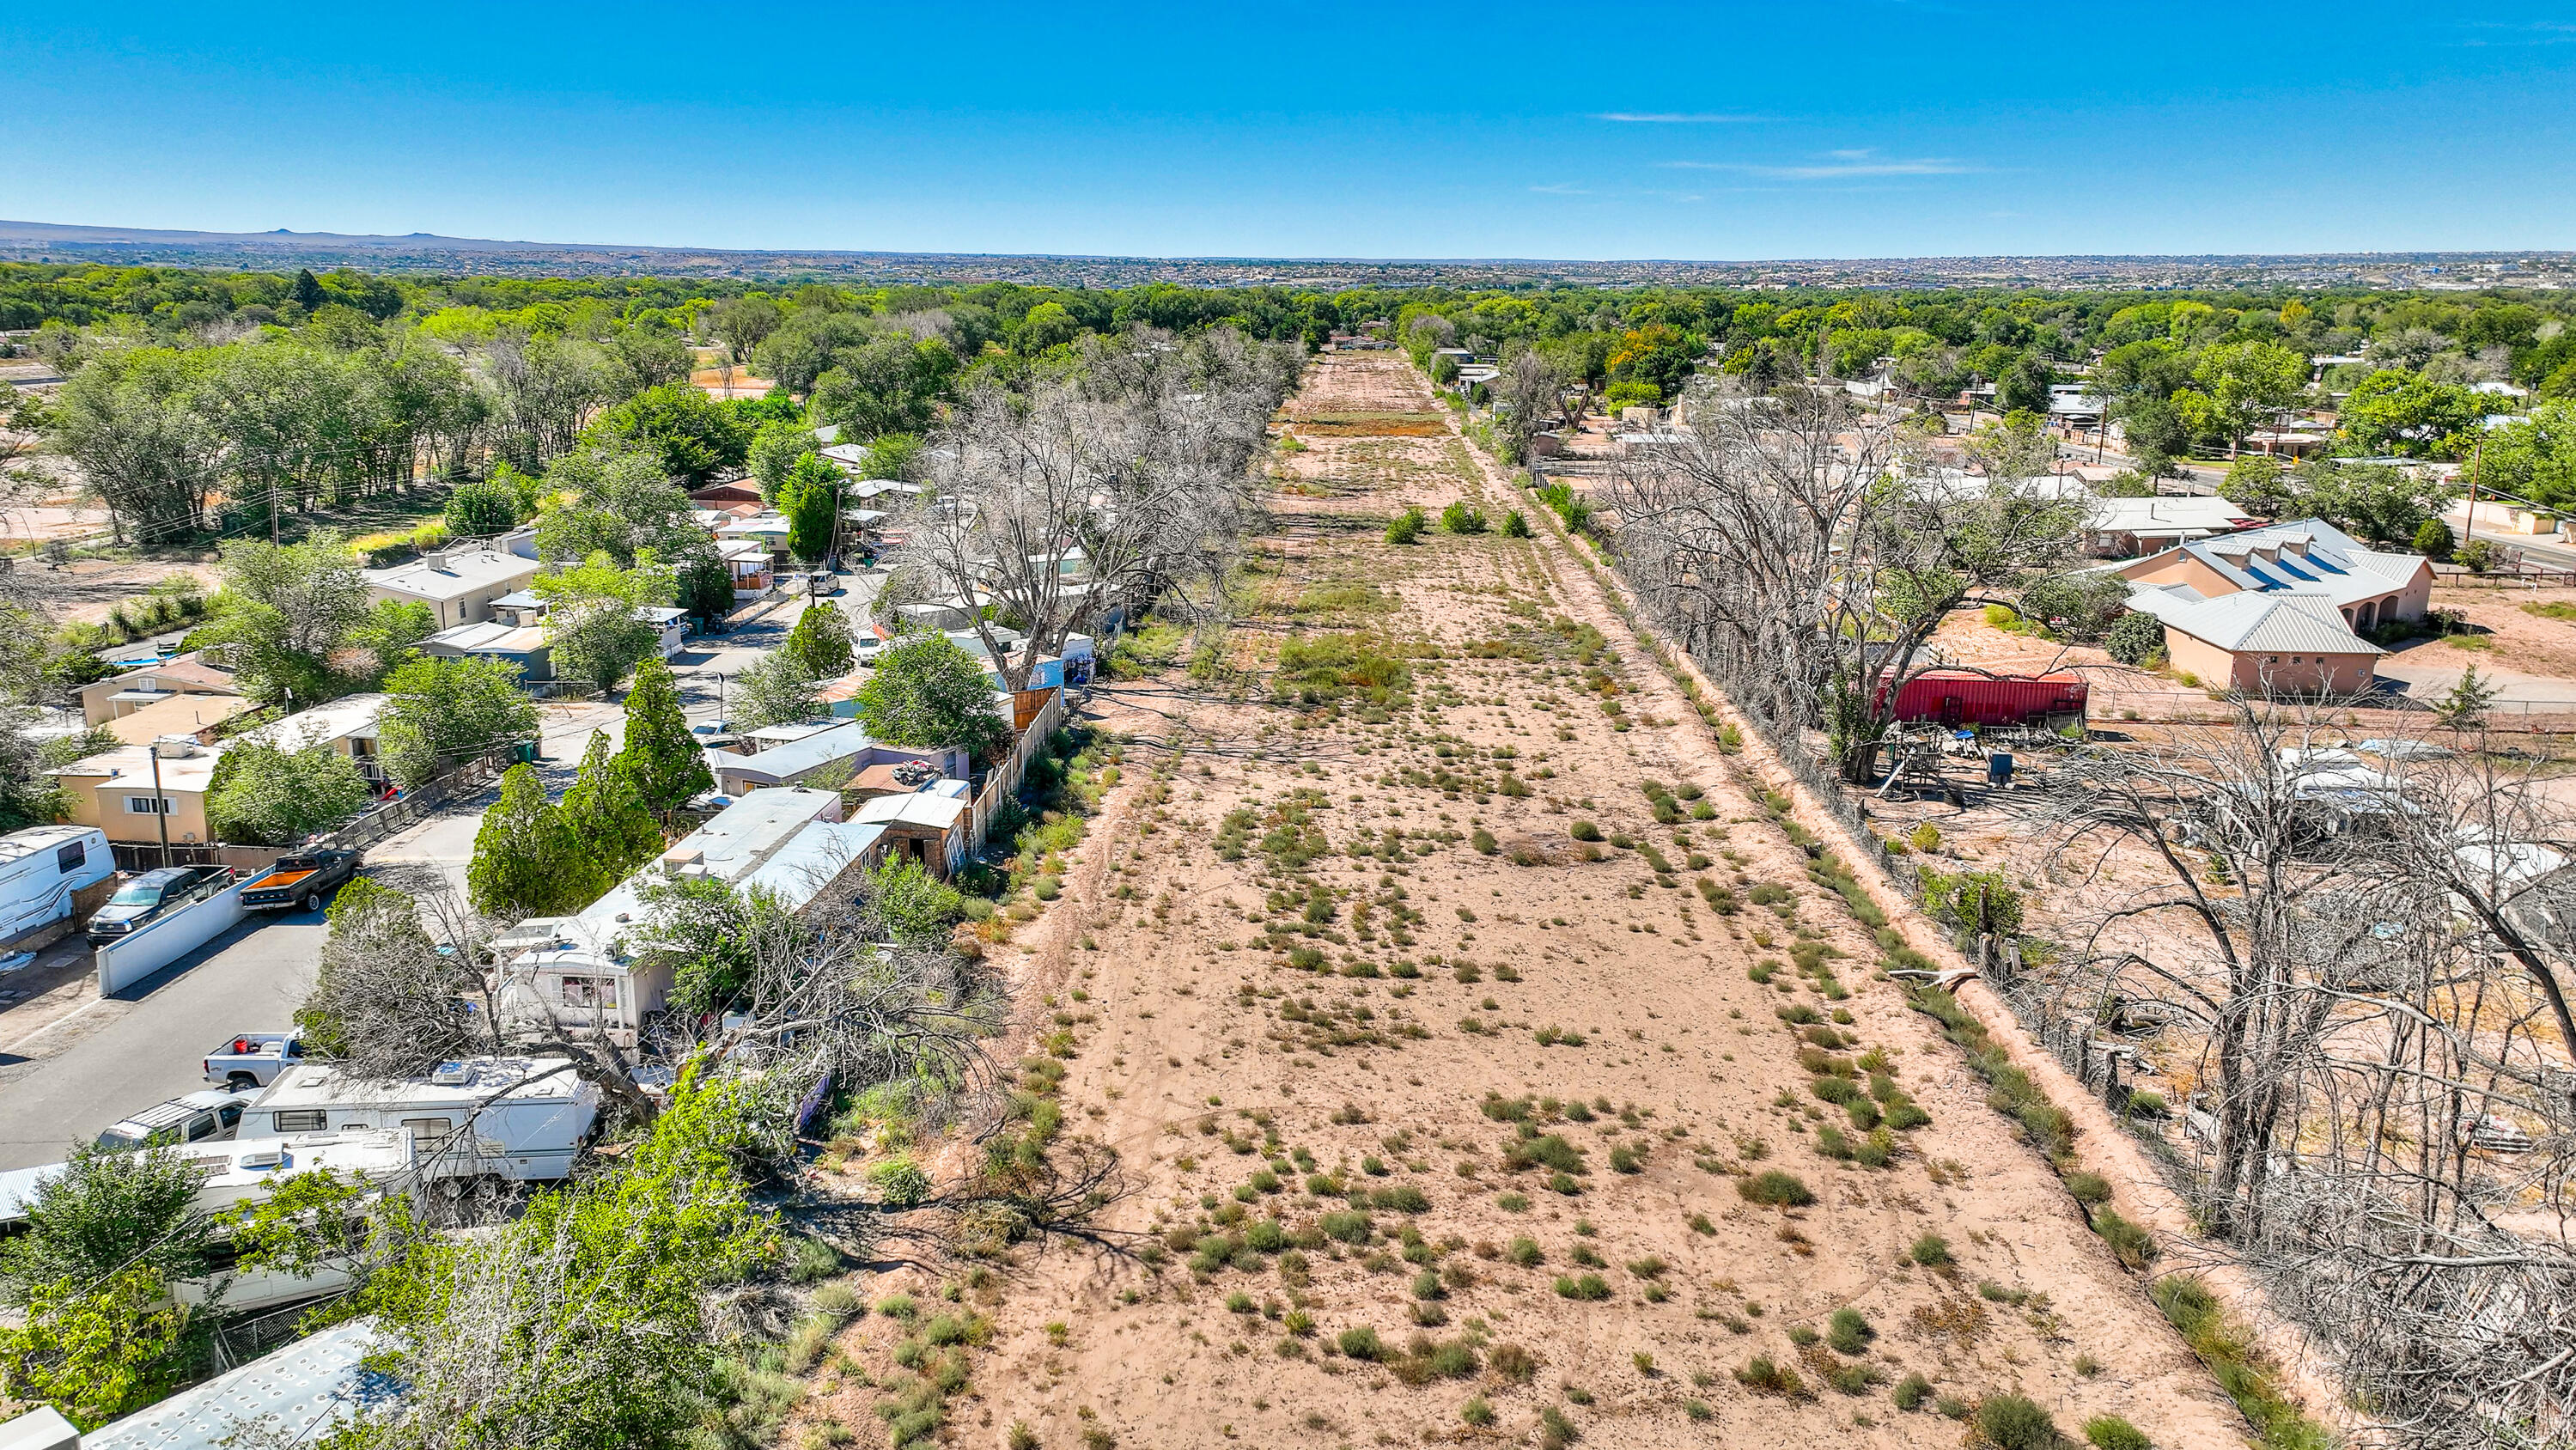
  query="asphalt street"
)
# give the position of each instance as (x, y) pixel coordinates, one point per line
(118, 1055)
(83, 1069)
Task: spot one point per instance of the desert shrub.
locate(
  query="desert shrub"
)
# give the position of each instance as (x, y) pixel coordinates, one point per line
(2012, 1422)
(1763, 1377)
(1525, 1252)
(2110, 1432)
(1584, 831)
(2133, 1245)
(1512, 1362)
(1778, 1189)
(1403, 1198)
(1516, 525)
(1362, 1343)
(1931, 1251)
(1849, 1332)
(2134, 638)
(1462, 517)
(1348, 1226)
(1407, 527)
(900, 1182)
(1911, 1392)
(1476, 1412)
(1587, 1287)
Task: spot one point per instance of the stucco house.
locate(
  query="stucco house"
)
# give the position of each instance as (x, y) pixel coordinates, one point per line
(458, 585)
(2278, 610)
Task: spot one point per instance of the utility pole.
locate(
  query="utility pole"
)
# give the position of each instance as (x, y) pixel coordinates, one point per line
(160, 802)
(2477, 456)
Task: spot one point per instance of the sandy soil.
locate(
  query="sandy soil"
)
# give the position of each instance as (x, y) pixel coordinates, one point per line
(1222, 1070)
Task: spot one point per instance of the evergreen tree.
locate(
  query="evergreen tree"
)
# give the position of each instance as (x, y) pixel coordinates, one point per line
(661, 757)
(606, 814)
(308, 290)
(526, 861)
(811, 499)
(821, 641)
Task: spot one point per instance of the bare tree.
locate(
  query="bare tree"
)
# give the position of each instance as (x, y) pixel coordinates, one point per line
(1805, 548)
(1119, 485)
(2356, 961)
(1528, 393)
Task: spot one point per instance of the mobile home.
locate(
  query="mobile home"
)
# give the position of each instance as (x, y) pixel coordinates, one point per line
(503, 1117)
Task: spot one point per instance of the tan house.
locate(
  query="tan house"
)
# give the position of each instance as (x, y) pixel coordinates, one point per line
(458, 585)
(2264, 644)
(199, 717)
(2368, 587)
(187, 674)
(126, 792)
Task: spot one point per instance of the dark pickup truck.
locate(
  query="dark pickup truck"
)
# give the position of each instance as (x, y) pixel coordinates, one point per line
(300, 881)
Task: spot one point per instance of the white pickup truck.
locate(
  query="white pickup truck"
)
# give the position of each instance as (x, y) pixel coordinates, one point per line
(253, 1059)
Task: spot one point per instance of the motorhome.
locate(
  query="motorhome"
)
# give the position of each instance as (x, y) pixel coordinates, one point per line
(40, 870)
(517, 1118)
(248, 1171)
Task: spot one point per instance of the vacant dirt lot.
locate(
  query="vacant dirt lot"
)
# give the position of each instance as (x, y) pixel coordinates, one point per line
(1441, 1103)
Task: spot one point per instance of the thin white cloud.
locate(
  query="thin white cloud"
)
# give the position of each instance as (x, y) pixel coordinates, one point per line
(1838, 166)
(1674, 118)
(1554, 189)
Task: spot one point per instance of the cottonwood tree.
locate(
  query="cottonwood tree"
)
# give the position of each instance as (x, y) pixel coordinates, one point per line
(2361, 962)
(1136, 472)
(594, 624)
(442, 711)
(1808, 550)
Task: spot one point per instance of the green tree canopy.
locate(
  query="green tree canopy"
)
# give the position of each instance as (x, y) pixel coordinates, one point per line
(776, 449)
(684, 430)
(773, 690)
(660, 756)
(926, 690)
(592, 625)
(527, 861)
(481, 508)
(617, 503)
(606, 814)
(811, 499)
(445, 711)
(267, 795)
(2401, 413)
(821, 640)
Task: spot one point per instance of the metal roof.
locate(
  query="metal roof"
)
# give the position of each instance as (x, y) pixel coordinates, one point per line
(2260, 623)
(300, 1391)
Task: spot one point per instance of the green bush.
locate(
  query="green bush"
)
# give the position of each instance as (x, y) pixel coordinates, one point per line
(1778, 1189)
(2110, 1432)
(1462, 517)
(1407, 527)
(1850, 1332)
(2135, 637)
(2012, 1422)
(900, 1182)
(1362, 1343)
(1931, 1251)
(1911, 1392)
(1584, 831)
(1516, 525)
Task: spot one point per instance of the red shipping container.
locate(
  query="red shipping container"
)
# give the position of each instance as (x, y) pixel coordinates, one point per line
(1963, 698)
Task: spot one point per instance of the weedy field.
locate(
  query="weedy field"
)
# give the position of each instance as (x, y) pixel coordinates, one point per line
(1483, 1062)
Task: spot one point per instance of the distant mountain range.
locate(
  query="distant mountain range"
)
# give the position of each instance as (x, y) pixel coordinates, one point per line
(428, 252)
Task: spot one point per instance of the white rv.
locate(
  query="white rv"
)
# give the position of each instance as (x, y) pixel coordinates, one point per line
(500, 1117)
(41, 867)
(243, 1172)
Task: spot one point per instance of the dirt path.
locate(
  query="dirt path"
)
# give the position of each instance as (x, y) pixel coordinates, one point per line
(1351, 968)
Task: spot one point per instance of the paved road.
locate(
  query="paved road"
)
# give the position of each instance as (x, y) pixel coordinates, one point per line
(146, 1045)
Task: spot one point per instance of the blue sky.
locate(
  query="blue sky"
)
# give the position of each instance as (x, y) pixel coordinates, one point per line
(1717, 131)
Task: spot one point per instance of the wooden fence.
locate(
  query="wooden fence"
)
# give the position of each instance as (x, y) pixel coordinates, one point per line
(1004, 782)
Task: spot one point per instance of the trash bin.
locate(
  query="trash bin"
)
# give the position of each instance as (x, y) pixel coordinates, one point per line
(1999, 768)
(525, 753)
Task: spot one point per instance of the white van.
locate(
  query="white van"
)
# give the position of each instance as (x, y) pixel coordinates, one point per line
(502, 1117)
(41, 867)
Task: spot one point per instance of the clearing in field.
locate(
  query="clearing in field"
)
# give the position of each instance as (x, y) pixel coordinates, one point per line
(1481, 1060)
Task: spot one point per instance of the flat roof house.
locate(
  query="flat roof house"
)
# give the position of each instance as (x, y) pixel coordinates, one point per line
(115, 790)
(835, 753)
(596, 968)
(187, 674)
(459, 585)
(2124, 528)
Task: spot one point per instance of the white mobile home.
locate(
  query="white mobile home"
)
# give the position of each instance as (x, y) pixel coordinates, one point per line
(501, 1117)
(40, 870)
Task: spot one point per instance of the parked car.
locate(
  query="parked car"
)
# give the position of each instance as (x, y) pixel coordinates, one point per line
(152, 895)
(253, 1059)
(209, 1115)
(300, 880)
